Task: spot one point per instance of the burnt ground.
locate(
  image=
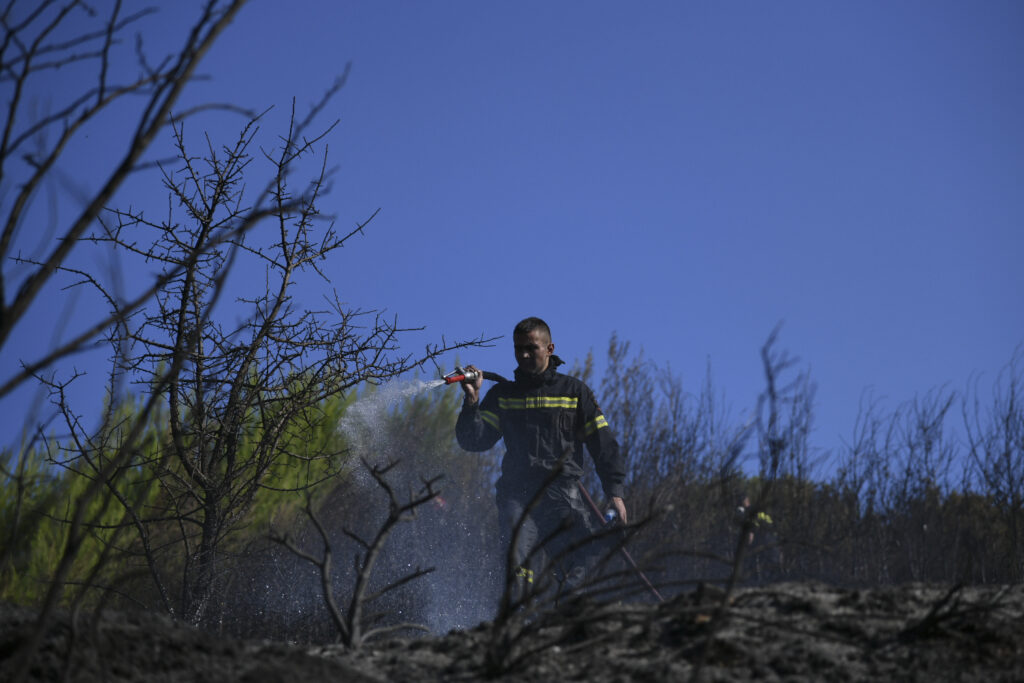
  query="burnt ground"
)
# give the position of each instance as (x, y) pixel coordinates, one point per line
(790, 632)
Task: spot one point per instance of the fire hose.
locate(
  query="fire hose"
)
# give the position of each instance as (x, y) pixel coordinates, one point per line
(609, 519)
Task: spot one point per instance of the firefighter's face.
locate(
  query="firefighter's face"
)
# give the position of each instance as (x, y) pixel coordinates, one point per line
(533, 351)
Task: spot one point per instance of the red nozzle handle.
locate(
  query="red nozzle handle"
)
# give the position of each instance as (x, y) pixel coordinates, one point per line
(461, 375)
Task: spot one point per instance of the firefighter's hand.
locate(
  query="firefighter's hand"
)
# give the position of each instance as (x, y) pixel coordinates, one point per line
(620, 507)
(472, 388)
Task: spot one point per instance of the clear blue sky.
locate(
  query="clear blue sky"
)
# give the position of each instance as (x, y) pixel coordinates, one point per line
(684, 174)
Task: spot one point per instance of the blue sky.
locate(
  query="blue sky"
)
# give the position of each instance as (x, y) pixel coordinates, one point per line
(686, 175)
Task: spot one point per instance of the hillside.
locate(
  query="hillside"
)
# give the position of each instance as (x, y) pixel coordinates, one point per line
(792, 631)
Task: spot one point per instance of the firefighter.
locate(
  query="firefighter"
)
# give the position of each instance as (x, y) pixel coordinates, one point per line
(545, 418)
(764, 558)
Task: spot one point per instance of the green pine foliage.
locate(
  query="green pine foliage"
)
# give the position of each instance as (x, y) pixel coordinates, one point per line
(40, 495)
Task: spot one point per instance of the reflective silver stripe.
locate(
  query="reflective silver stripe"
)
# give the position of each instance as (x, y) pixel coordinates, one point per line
(570, 402)
(597, 423)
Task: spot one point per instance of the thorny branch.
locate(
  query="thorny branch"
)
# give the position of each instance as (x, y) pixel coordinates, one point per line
(30, 41)
(351, 626)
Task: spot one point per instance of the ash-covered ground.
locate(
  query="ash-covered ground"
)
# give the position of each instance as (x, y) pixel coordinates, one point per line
(789, 631)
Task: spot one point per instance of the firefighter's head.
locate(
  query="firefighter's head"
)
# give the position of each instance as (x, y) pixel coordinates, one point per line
(533, 346)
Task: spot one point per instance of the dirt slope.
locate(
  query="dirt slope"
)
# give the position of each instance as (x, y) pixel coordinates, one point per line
(792, 632)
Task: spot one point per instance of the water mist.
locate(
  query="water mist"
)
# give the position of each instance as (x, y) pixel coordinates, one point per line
(455, 533)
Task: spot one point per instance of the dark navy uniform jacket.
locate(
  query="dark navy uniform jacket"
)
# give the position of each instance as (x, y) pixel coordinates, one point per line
(543, 418)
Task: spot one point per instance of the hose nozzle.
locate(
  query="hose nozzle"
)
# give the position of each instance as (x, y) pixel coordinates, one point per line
(460, 375)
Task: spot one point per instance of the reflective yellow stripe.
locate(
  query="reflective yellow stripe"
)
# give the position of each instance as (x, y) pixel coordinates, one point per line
(491, 419)
(570, 402)
(524, 573)
(595, 424)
